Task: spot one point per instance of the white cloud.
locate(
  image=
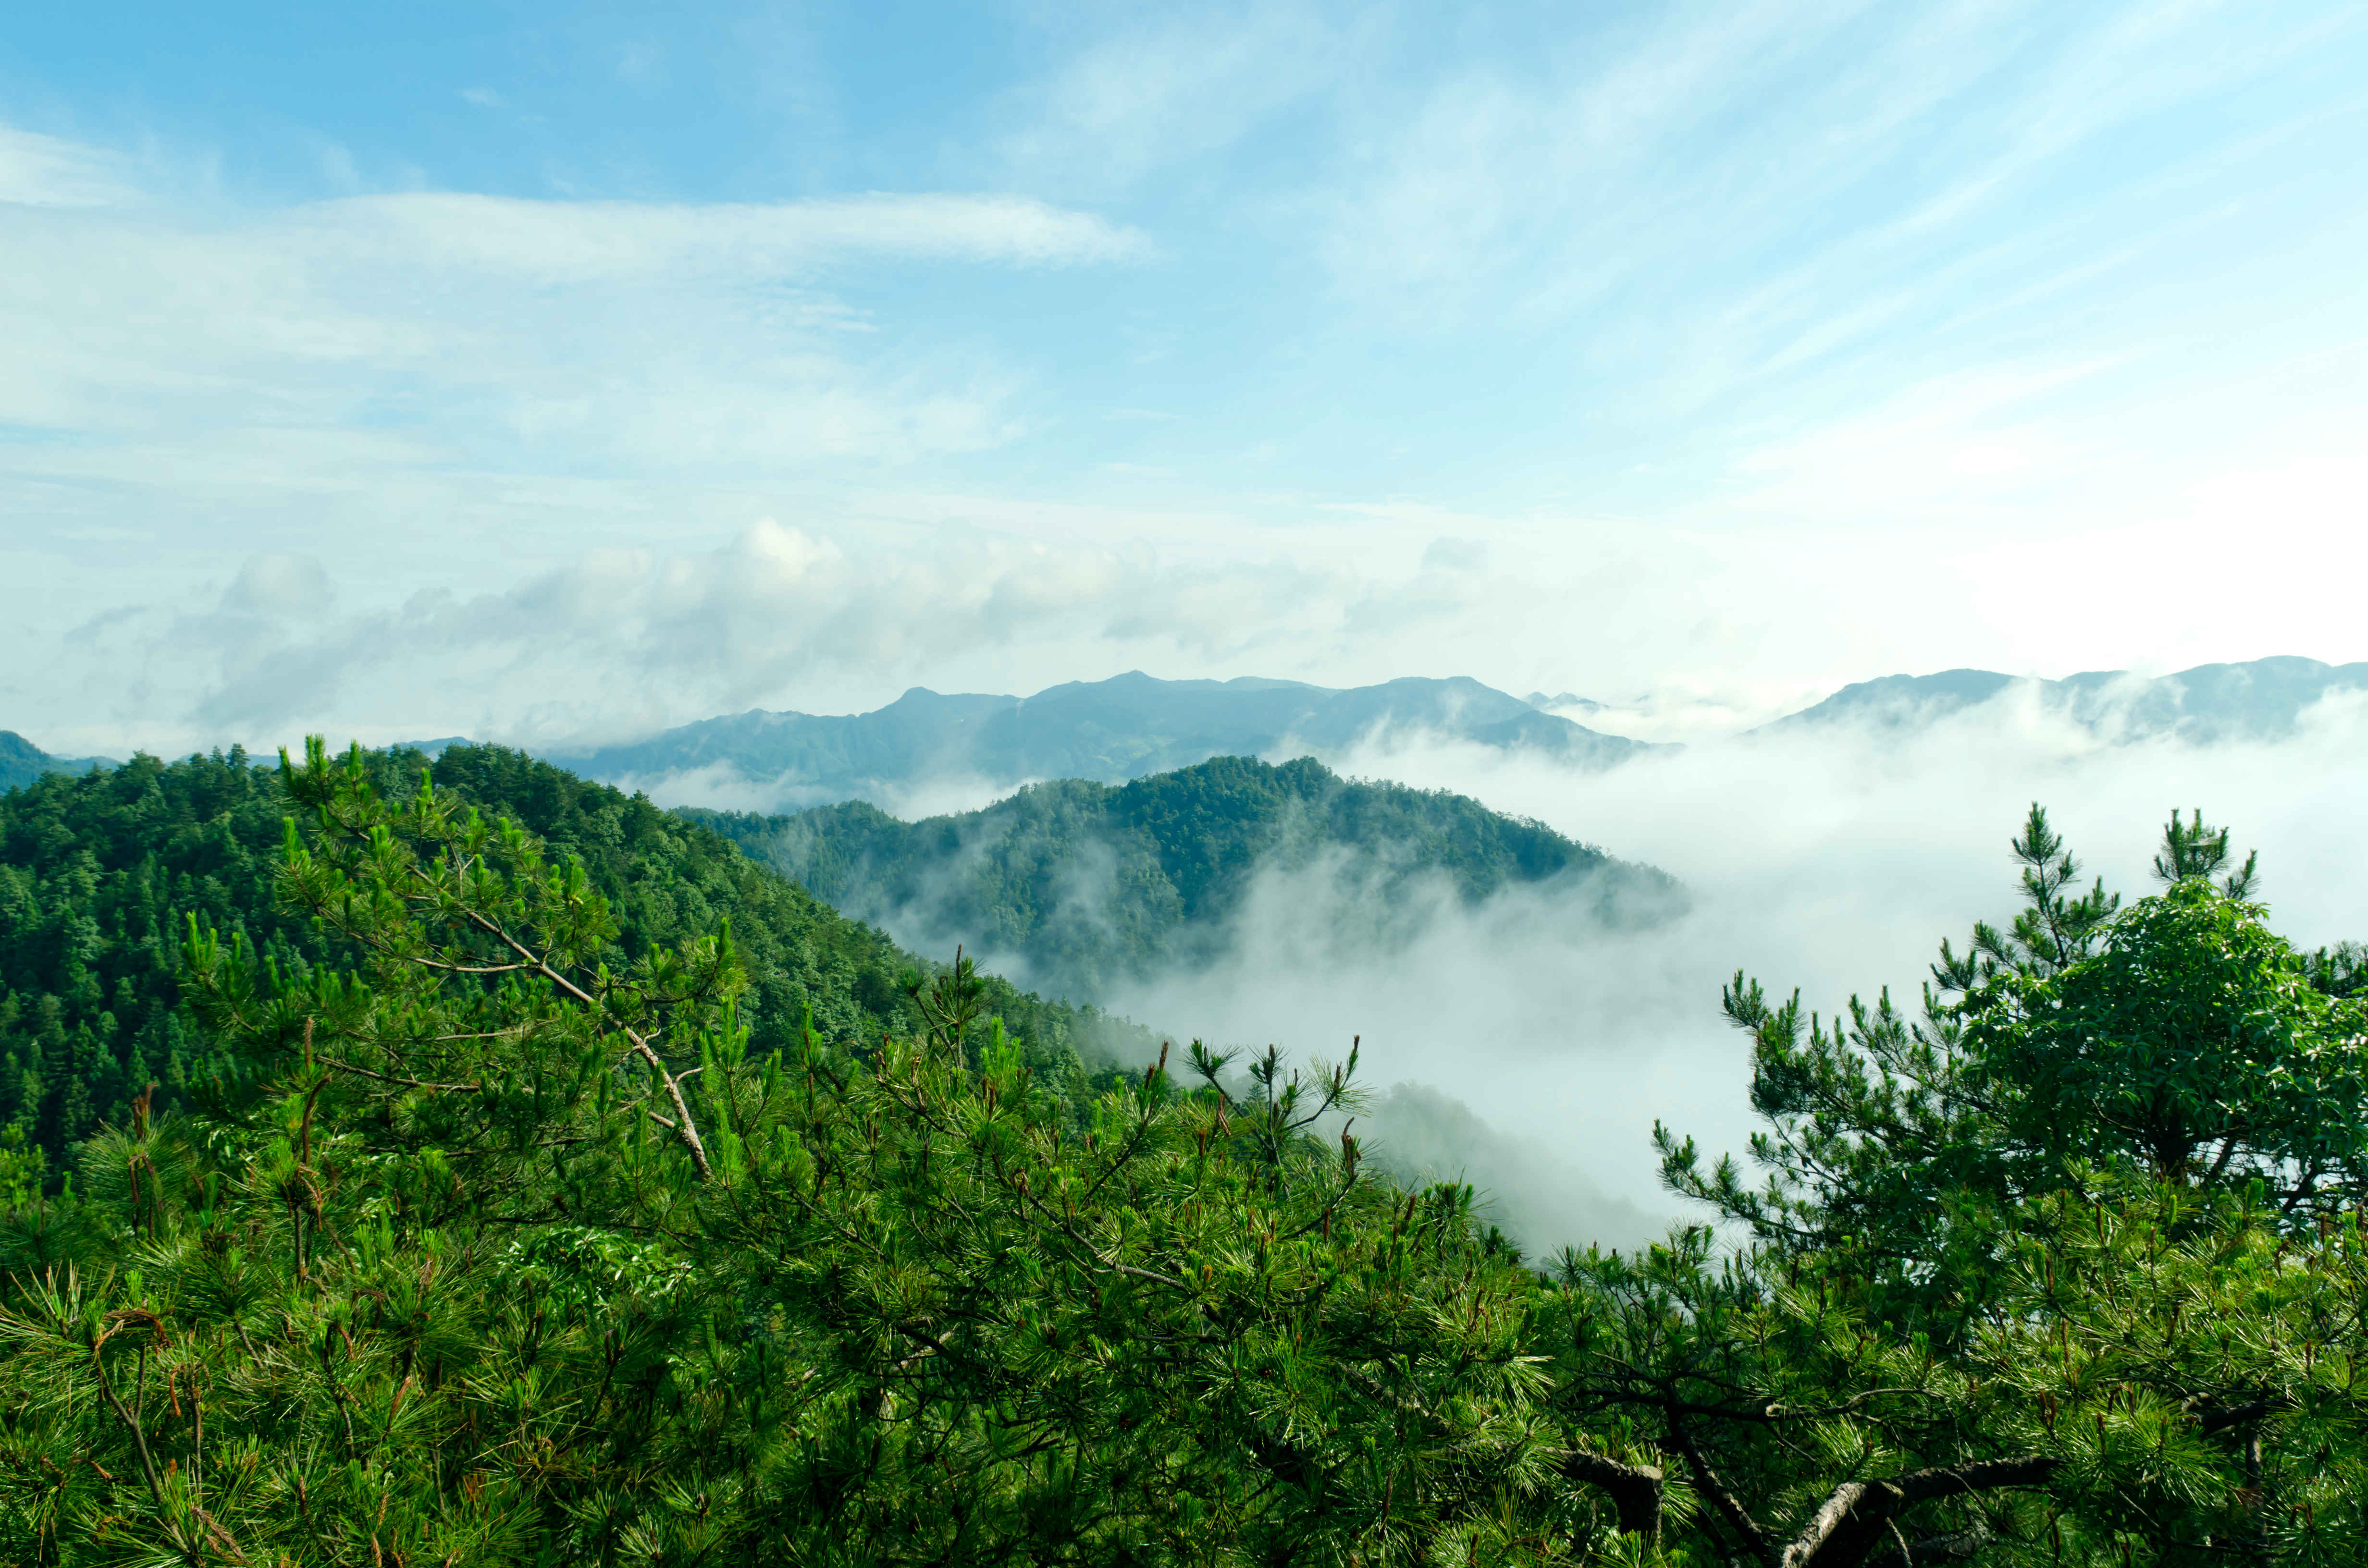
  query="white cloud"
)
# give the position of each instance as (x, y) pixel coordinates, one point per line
(1751, 192)
(583, 242)
(1833, 859)
(280, 586)
(1178, 86)
(619, 641)
(389, 339)
(1568, 161)
(45, 171)
(1761, 345)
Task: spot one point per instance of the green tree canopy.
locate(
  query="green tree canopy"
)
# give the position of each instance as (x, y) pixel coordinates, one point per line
(2193, 1042)
(489, 1234)
(2110, 1178)
(2179, 1036)
(99, 875)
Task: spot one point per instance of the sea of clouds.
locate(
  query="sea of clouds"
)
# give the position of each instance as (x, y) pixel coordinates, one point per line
(1833, 861)
(1525, 1045)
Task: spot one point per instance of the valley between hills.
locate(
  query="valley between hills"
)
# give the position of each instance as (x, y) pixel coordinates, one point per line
(438, 1110)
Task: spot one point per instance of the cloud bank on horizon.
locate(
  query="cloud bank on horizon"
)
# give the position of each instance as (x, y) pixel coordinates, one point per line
(580, 373)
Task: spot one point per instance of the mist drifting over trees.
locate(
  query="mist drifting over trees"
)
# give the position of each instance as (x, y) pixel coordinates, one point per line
(764, 797)
(591, 1190)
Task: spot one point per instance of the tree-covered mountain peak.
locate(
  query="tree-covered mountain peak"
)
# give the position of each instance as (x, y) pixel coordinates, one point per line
(100, 874)
(1081, 885)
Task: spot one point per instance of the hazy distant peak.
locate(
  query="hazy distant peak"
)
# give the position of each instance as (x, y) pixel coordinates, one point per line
(1107, 731)
(921, 699)
(1268, 683)
(2261, 698)
(1127, 681)
(1135, 685)
(1892, 700)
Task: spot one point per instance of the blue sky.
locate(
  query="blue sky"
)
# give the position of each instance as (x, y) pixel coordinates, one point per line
(530, 370)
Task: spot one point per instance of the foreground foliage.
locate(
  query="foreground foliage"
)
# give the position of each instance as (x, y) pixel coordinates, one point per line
(490, 1236)
(99, 875)
(2111, 1181)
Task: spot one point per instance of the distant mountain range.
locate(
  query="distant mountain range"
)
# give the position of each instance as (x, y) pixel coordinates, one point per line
(1133, 725)
(1106, 731)
(1077, 887)
(22, 761)
(2261, 700)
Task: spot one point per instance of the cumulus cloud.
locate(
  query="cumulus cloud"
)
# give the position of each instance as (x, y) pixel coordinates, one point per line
(280, 587)
(1448, 552)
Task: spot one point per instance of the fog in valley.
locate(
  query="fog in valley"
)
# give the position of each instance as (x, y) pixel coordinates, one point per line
(1526, 1046)
(655, 650)
(722, 786)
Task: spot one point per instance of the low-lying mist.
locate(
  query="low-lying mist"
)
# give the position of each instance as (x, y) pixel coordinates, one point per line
(723, 788)
(1834, 861)
(1525, 1045)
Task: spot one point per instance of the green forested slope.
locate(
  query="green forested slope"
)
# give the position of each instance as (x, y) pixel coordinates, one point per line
(508, 1248)
(1086, 883)
(99, 874)
(22, 761)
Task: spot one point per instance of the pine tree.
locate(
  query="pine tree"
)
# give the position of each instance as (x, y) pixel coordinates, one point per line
(2093, 1218)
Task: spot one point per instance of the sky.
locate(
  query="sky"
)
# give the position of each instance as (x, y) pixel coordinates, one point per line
(541, 373)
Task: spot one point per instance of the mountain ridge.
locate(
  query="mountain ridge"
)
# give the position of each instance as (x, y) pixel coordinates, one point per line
(127, 856)
(2257, 699)
(22, 762)
(1088, 885)
(1106, 731)
(1135, 724)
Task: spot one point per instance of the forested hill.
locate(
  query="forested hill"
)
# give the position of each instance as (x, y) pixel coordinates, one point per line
(452, 1266)
(99, 874)
(1107, 731)
(1080, 884)
(22, 761)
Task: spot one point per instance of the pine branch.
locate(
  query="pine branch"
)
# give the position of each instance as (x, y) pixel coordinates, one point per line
(1859, 1514)
(1722, 1501)
(1635, 1488)
(685, 1127)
